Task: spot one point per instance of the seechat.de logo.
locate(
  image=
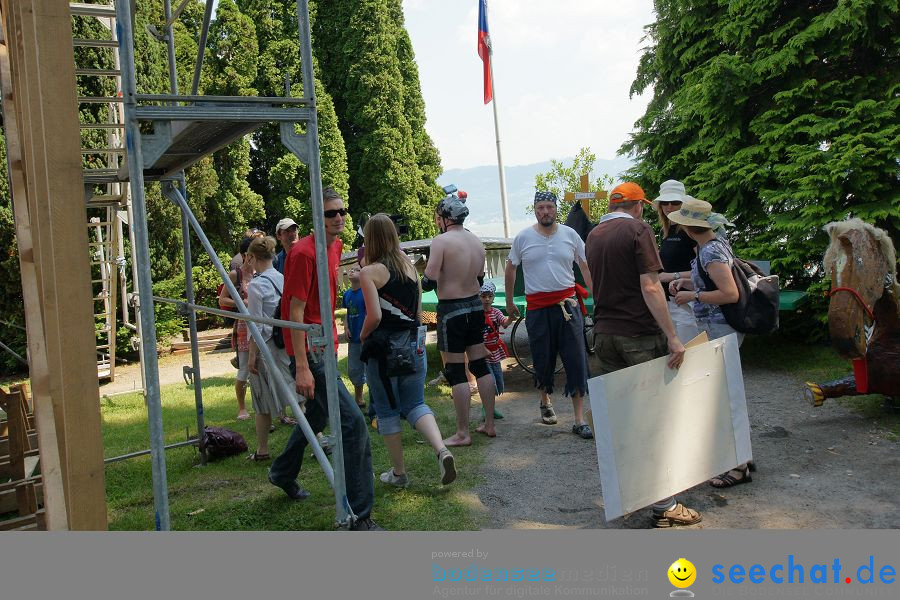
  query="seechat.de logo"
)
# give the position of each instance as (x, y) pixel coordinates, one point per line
(682, 574)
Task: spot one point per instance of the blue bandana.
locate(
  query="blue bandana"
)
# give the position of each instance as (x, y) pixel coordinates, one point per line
(545, 197)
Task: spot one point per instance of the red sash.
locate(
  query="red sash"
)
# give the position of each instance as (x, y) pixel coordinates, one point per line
(544, 299)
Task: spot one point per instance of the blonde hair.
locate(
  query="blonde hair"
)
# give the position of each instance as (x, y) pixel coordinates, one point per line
(262, 248)
(383, 245)
(664, 221)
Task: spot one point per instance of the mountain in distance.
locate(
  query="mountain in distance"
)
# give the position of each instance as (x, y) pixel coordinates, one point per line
(483, 186)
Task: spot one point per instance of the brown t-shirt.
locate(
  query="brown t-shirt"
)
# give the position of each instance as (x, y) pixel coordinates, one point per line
(618, 252)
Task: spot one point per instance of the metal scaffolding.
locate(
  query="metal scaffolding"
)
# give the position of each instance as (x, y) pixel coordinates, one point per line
(185, 128)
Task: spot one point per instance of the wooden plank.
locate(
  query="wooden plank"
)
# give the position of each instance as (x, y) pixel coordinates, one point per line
(4, 443)
(4, 432)
(8, 501)
(41, 67)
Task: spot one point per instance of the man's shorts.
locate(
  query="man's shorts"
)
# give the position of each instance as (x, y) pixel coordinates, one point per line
(460, 324)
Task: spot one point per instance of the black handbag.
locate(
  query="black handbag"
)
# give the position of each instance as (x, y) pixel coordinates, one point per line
(401, 355)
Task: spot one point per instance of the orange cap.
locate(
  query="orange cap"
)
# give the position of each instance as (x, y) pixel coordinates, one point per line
(627, 192)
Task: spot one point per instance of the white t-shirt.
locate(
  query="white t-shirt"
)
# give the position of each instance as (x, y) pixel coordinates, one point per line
(263, 294)
(547, 261)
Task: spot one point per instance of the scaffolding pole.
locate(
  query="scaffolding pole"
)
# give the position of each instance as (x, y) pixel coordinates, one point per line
(141, 251)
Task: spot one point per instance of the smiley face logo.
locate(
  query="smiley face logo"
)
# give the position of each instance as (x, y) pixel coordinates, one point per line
(682, 573)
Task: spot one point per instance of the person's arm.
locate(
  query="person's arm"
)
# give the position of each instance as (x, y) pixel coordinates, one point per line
(224, 297)
(727, 292)
(254, 307)
(586, 273)
(304, 381)
(435, 263)
(373, 306)
(509, 281)
(655, 300)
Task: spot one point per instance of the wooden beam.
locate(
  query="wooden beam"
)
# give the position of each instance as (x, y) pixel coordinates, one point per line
(43, 90)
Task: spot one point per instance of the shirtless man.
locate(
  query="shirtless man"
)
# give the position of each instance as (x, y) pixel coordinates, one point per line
(456, 268)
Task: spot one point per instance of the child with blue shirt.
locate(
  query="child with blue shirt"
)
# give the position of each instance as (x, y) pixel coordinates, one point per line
(356, 314)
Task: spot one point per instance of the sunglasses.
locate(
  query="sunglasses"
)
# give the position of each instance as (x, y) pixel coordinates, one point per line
(670, 203)
(330, 214)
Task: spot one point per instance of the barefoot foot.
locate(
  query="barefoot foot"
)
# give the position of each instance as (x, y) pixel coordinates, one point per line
(488, 431)
(458, 440)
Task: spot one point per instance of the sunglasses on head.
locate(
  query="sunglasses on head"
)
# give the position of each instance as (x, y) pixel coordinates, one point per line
(330, 214)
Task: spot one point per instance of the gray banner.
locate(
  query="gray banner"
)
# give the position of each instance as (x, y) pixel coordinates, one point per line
(489, 564)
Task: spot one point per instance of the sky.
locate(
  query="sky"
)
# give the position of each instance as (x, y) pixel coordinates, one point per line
(562, 71)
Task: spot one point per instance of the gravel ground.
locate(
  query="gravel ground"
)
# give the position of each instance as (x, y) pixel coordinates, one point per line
(817, 468)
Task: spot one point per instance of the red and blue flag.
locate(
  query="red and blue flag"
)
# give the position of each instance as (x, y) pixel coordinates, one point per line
(484, 49)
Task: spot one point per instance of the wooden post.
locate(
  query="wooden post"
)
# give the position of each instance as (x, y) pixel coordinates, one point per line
(48, 196)
(585, 195)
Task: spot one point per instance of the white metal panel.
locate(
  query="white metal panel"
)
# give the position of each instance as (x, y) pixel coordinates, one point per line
(659, 432)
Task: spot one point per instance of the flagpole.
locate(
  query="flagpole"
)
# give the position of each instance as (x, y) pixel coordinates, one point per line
(503, 203)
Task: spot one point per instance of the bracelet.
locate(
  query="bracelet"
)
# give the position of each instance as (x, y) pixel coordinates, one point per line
(677, 274)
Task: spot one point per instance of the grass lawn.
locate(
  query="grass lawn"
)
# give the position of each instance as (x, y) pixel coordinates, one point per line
(234, 494)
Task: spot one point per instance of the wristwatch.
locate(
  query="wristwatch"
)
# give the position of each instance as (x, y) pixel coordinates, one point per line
(697, 295)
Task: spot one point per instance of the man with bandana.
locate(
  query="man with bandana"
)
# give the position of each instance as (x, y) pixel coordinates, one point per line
(548, 252)
(456, 269)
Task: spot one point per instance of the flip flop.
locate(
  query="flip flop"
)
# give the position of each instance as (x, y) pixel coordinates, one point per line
(257, 457)
(243, 417)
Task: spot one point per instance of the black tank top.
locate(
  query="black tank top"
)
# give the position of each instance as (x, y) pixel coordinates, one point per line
(676, 253)
(399, 299)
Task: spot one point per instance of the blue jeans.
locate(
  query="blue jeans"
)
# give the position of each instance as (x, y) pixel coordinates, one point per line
(354, 435)
(497, 371)
(409, 392)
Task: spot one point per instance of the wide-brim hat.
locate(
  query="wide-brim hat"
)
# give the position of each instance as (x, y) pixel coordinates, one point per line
(670, 191)
(697, 213)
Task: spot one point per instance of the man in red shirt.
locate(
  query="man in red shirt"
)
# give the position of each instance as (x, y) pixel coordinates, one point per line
(300, 303)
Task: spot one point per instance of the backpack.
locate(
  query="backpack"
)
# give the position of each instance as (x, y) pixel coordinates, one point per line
(277, 334)
(756, 310)
(221, 442)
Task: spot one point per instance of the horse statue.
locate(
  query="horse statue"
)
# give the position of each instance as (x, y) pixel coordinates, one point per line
(863, 313)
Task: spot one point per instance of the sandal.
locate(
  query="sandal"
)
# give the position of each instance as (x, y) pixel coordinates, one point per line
(727, 480)
(679, 515)
(257, 457)
(284, 420)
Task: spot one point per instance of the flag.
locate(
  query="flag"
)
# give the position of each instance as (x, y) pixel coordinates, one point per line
(484, 49)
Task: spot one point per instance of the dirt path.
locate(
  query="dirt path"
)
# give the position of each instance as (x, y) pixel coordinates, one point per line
(818, 468)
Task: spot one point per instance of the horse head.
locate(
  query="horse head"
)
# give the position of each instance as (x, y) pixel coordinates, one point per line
(863, 267)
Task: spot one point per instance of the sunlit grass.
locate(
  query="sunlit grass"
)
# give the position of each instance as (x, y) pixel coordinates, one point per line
(234, 494)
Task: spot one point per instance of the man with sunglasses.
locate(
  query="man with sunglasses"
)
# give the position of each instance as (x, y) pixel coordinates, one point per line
(300, 303)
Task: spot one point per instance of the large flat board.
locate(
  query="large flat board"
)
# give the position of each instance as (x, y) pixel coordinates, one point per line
(659, 432)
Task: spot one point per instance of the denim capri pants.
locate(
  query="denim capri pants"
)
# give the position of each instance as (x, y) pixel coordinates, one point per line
(409, 393)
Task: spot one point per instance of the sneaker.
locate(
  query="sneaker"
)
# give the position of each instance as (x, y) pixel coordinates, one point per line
(548, 417)
(448, 467)
(583, 430)
(391, 478)
(292, 489)
(366, 524)
(437, 380)
(679, 515)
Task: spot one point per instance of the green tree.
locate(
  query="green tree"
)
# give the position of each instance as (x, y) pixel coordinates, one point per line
(369, 70)
(277, 174)
(562, 178)
(783, 115)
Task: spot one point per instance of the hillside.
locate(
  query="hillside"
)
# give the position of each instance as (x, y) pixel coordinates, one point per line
(483, 187)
